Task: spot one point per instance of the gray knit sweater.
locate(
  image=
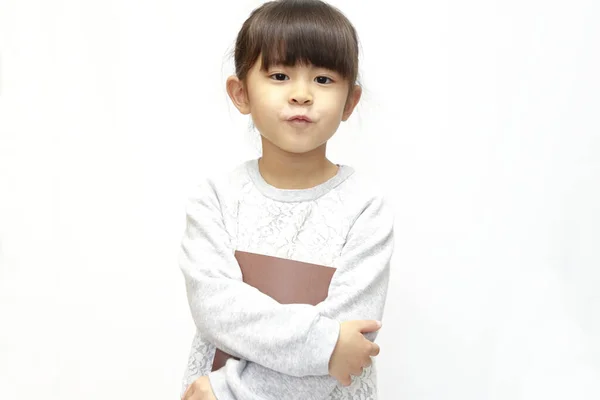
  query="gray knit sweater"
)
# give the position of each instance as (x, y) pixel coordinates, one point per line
(284, 350)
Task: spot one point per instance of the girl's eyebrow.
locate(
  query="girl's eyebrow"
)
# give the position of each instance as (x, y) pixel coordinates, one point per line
(312, 67)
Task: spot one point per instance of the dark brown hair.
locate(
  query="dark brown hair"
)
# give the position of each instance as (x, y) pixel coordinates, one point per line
(291, 32)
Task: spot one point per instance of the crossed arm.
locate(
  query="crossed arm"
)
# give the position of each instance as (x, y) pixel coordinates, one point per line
(287, 345)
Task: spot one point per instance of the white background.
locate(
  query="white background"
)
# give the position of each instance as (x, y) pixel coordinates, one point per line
(481, 116)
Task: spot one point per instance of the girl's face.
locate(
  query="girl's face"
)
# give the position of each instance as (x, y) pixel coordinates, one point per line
(276, 96)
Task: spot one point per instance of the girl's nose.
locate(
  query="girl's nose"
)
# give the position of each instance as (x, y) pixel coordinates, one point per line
(301, 95)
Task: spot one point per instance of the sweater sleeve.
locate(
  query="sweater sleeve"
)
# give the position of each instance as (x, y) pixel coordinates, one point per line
(358, 290)
(235, 316)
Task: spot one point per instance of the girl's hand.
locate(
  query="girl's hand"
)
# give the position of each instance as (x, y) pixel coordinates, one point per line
(200, 389)
(353, 351)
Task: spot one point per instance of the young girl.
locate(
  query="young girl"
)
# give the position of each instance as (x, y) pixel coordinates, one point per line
(296, 66)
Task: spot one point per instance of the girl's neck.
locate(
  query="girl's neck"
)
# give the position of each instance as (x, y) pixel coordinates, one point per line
(285, 170)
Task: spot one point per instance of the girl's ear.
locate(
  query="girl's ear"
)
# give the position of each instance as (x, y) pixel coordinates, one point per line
(238, 94)
(352, 101)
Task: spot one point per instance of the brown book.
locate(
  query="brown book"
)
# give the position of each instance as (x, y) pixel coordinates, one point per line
(287, 281)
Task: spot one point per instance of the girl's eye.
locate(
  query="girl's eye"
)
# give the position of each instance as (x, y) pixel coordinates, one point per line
(323, 78)
(277, 76)
(282, 77)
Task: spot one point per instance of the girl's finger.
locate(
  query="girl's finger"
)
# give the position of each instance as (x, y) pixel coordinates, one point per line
(188, 393)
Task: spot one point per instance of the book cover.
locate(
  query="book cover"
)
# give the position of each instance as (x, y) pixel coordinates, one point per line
(286, 281)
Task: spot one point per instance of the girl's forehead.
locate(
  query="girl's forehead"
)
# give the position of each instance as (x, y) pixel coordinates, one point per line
(258, 64)
(280, 62)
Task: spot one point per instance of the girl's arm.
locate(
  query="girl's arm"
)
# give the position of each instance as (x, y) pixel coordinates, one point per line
(358, 291)
(294, 339)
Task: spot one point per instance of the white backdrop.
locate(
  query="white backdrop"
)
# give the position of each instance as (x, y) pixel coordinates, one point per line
(481, 116)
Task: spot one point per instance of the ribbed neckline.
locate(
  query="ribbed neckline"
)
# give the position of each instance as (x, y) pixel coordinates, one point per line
(293, 195)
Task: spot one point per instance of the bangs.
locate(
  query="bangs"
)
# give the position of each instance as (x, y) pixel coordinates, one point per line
(297, 32)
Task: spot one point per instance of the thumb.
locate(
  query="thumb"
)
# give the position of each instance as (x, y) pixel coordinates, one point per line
(369, 326)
